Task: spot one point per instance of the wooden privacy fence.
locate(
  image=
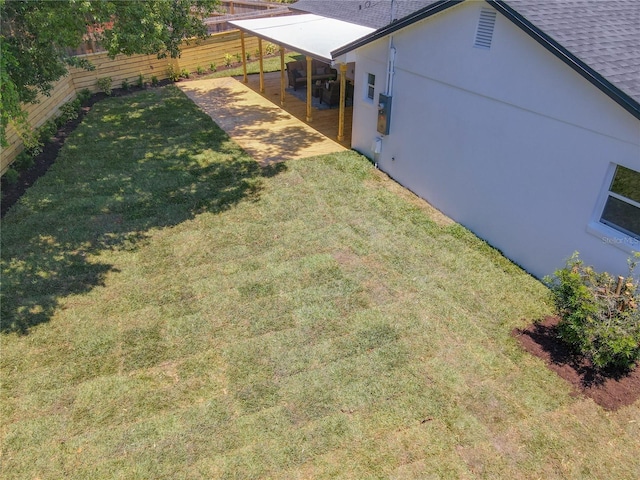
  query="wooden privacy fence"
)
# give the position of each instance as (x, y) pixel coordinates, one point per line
(194, 55)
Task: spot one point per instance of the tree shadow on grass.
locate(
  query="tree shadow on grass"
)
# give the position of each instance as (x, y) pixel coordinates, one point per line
(136, 163)
(279, 140)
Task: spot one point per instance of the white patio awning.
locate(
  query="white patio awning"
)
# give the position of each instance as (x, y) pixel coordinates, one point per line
(308, 34)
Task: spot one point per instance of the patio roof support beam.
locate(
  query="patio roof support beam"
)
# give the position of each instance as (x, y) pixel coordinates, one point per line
(261, 66)
(343, 91)
(244, 57)
(282, 79)
(309, 60)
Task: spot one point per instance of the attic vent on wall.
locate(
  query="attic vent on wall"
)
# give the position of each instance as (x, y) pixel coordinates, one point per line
(484, 33)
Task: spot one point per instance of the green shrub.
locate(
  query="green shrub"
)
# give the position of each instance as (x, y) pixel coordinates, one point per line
(199, 70)
(60, 120)
(46, 131)
(213, 67)
(599, 315)
(248, 56)
(30, 140)
(11, 176)
(35, 150)
(154, 81)
(84, 95)
(238, 57)
(185, 73)
(23, 161)
(140, 83)
(33, 146)
(125, 84)
(104, 84)
(270, 49)
(172, 73)
(228, 59)
(68, 111)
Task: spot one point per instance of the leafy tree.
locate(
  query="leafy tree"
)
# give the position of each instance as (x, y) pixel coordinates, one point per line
(35, 36)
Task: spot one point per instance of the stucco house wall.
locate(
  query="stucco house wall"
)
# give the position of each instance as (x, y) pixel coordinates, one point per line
(509, 141)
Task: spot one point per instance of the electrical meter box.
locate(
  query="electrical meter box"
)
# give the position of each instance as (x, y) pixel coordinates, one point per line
(384, 113)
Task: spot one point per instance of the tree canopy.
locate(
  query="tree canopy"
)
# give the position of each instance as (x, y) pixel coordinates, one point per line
(35, 36)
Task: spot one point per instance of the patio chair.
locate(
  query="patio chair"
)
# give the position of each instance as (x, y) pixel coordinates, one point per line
(330, 93)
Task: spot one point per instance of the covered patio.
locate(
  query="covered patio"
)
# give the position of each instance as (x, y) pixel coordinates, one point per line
(313, 36)
(260, 125)
(325, 120)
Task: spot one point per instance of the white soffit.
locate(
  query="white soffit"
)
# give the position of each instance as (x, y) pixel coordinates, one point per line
(309, 34)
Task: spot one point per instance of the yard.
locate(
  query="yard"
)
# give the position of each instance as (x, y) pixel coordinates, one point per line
(172, 310)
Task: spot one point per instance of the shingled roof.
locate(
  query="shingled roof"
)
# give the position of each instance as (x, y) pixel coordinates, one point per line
(599, 39)
(603, 34)
(371, 13)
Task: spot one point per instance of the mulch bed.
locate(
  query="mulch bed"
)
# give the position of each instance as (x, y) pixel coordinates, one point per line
(11, 193)
(609, 389)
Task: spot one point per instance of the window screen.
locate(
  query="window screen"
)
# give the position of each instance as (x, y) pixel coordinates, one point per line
(622, 207)
(371, 83)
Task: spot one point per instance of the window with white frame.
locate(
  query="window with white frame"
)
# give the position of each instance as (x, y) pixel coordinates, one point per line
(371, 86)
(621, 209)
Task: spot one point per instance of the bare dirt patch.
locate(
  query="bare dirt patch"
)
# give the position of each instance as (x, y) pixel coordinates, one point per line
(609, 389)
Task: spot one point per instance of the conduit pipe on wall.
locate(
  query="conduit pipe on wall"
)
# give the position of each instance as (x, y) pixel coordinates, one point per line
(391, 58)
(391, 67)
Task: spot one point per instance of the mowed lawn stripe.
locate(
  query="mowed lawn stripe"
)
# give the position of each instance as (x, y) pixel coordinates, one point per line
(170, 309)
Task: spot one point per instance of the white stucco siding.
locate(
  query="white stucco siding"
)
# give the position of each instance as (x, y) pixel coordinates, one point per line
(510, 142)
(370, 60)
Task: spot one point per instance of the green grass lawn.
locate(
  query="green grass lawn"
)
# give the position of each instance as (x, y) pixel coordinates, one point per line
(171, 310)
(269, 64)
